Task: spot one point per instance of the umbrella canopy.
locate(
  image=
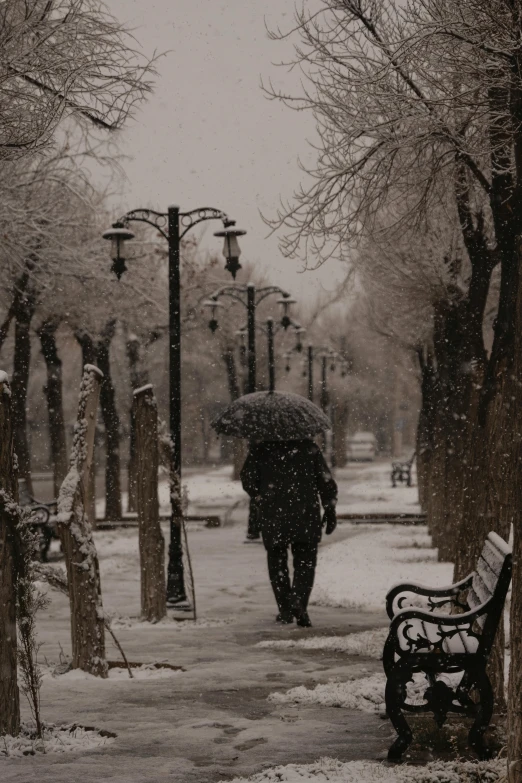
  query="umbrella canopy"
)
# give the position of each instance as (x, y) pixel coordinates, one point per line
(271, 416)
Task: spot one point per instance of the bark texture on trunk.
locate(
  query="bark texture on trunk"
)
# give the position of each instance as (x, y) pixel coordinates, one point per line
(424, 441)
(81, 558)
(151, 541)
(88, 349)
(20, 382)
(111, 421)
(19, 291)
(340, 422)
(138, 378)
(239, 448)
(53, 390)
(9, 694)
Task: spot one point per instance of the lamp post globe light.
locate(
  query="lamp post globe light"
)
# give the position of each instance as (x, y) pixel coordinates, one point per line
(173, 225)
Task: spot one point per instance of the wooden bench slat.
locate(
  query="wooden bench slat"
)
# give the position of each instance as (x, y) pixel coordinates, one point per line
(486, 573)
(493, 557)
(481, 588)
(474, 602)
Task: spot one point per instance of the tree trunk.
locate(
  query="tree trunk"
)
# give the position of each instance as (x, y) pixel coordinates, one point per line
(21, 363)
(138, 378)
(88, 349)
(19, 292)
(437, 487)
(239, 455)
(9, 695)
(54, 395)
(111, 421)
(425, 425)
(81, 558)
(206, 435)
(152, 544)
(239, 450)
(342, 413)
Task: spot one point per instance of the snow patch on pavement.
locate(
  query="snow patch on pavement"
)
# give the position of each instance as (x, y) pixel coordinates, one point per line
(136, 623)
(147, 671)
(56, 739)
(358, 572)
(365, 694)
(328, 770)
(367, 643)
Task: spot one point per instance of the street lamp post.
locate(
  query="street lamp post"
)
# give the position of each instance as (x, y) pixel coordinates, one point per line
(270, 331)
(326, 354)
(173, 225)
(311, 373)
(271, 354)
(250, 298)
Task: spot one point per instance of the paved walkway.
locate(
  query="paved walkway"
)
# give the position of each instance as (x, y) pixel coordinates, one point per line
(213, 721)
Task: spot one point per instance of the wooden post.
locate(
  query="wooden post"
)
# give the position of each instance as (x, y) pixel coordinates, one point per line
(151, 541)
(9, 696)
(81, 558)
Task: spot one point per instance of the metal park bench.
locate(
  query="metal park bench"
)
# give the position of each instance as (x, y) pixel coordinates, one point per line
(422, 639)
(401, 471)
(40, 517)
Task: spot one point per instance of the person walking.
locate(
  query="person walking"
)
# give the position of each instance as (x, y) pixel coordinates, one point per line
(288, 480)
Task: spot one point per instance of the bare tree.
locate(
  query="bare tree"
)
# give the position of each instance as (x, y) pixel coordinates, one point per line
(67, 57)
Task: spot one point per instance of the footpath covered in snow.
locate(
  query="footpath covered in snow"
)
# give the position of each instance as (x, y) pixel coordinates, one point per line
(252, 697)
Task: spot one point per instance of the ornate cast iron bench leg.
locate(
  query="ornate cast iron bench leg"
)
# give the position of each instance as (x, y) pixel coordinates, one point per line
(395, 695)
(388, 656)
(484, 713)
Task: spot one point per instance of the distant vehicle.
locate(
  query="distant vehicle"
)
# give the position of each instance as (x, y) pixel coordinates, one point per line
(361, 447)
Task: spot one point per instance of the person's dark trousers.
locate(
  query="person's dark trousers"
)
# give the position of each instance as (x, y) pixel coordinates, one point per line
(305, 559)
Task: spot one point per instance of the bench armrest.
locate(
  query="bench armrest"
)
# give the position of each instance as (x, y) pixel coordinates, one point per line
(449, 592)
(443, 626)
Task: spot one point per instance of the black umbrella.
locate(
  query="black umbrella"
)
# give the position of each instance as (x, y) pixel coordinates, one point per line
(271, 416)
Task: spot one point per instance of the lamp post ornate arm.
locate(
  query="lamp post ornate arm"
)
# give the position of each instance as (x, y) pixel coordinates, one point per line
(173, 225)
(187, 220)
(250, 297)
(325, 353)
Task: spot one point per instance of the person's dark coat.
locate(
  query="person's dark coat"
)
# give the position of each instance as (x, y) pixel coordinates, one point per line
(288, 481)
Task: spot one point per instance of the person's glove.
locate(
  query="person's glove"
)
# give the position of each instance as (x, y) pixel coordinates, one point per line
(329, 520)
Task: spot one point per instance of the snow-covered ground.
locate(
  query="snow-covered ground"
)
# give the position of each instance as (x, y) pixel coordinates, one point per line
(359, 571)
(365, 488)
(334, 771)
(367, 643)
(211, 491)
(217, 719)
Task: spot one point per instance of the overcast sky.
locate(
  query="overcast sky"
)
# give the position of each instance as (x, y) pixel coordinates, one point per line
(208, 136)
